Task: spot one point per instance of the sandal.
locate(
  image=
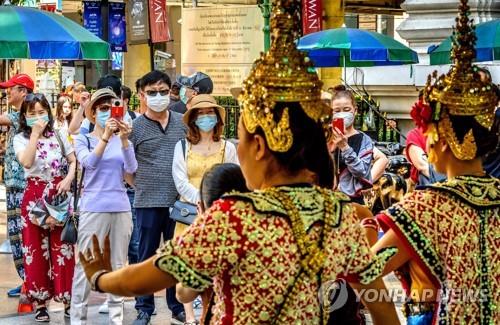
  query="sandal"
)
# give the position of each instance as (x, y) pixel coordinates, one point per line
(42, 315)
(67, 313)
(195, 322)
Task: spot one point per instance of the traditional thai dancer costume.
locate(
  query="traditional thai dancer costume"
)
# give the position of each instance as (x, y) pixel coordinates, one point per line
(451, 229)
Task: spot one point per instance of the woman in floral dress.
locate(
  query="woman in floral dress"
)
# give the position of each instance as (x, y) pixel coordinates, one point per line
(46, 157)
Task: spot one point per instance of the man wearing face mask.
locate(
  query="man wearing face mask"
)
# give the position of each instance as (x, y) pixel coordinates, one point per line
(154, 136)
(17, 88)
(352, 149)
(197, 84)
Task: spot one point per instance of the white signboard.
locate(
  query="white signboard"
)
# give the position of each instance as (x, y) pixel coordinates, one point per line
(221, 42)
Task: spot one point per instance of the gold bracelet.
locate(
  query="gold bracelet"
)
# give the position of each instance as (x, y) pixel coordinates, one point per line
(107, 141)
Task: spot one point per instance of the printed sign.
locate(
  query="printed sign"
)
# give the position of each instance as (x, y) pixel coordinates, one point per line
(92, 17)
(222, 42)
(117, 35)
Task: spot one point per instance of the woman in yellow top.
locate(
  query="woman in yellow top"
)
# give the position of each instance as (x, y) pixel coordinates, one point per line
(202, 148)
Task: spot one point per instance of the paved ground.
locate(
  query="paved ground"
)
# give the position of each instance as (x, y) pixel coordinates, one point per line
(9, 279)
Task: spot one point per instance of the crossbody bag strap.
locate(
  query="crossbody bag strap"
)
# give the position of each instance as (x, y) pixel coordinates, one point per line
(224, 151)
(78, 190)
(61, 144)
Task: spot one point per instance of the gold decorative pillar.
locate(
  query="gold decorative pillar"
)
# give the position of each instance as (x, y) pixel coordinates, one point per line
(334, 18)
(136, 64)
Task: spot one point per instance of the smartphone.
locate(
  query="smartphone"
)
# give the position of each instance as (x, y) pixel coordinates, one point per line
(339, 124)
(117, 110)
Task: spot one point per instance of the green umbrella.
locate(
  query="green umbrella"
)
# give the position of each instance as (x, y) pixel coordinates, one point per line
(29, 33)
(351, 47)
(487, 45)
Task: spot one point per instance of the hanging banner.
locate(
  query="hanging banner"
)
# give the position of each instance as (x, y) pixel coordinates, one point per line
(158, 21)
(92, 17)
(117, 36)
(138, 23)
(312, 19)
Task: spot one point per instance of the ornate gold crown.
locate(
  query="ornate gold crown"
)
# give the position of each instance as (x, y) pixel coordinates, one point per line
(461, 92)
(283, 74)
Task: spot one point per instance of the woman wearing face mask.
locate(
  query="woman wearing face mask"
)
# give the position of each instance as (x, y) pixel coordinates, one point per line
(107, 157)
(352, 149)
(48, 262)
(202, 148)
(64, 114)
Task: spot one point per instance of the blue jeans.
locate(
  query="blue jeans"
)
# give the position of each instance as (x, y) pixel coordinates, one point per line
(133, 246)
(152, 223)
(14, 226)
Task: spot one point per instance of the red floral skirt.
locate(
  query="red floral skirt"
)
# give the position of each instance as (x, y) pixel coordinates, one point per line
(49, 263)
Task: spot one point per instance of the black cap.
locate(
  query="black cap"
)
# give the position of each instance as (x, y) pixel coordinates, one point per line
(112, 82)
(200, 82)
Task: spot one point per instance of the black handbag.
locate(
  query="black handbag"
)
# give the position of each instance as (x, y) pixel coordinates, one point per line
(69, 233)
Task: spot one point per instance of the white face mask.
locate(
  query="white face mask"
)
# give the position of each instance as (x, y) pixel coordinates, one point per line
(158, 103)
(348, 118)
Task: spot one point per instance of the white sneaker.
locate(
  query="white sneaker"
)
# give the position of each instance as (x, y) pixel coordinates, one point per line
(103, 309)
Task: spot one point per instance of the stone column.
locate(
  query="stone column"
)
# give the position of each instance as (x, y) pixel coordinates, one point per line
(429, 22)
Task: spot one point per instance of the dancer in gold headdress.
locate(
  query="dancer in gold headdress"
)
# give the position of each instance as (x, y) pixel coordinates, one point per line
(267, 252)
(448, 233)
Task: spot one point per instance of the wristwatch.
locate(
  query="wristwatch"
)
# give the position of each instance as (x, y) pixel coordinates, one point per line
(95, 277)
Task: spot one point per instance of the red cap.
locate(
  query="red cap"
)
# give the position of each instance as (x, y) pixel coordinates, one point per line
(19, 80)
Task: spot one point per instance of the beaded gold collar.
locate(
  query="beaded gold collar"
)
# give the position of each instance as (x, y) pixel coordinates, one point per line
(479, 192)
(308, 200)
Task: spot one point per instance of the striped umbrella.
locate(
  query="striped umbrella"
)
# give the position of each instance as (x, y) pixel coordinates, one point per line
(350, 47)
(487, 45)
(29, 33)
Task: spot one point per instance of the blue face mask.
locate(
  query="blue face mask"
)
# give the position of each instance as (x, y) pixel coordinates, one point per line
(206, 122)
(182, 95)
(102, 117)
(30, 121)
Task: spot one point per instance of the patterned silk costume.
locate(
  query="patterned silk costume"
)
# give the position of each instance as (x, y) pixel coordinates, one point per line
(245, 246)
(452, 230)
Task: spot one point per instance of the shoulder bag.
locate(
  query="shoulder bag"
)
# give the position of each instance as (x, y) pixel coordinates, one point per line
(184, 212)
(69, 233)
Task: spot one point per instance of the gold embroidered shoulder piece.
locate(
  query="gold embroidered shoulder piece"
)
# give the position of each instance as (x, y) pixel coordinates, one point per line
(480, 192)
(309, 201)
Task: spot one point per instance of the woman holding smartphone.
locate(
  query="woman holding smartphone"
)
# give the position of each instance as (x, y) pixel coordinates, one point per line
(107, 157)
(352, 149)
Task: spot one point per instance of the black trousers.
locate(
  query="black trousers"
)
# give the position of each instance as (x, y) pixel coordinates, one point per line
(152, 223)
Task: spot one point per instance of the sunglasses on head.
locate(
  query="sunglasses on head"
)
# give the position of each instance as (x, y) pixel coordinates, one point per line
(34, 96)
(163, 92)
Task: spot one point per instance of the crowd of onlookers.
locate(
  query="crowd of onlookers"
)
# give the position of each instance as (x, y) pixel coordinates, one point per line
(142, 172)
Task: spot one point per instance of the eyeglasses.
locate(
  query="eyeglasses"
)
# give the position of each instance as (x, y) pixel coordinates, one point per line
(162, 92)
(34, 96)
(103, 107)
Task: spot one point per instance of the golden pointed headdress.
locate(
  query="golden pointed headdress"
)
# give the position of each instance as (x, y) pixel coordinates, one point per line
(283, 74)
(461, 92)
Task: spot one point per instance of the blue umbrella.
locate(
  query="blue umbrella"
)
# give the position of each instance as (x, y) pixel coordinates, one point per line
(487, 45)
(29, 33)
(350, 47)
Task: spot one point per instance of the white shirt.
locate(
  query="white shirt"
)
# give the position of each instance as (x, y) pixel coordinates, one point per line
(49, 161)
